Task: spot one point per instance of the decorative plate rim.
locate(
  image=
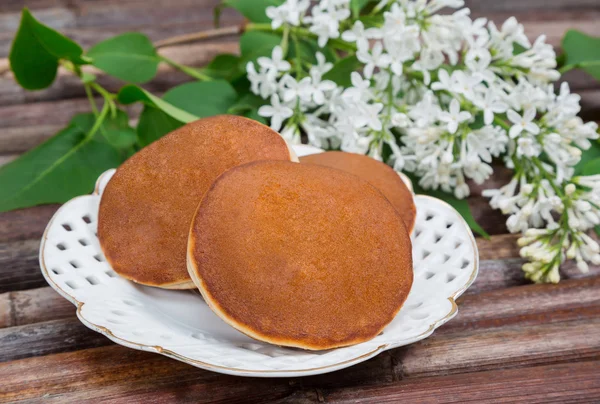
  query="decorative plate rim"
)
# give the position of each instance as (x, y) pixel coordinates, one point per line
(253, 372)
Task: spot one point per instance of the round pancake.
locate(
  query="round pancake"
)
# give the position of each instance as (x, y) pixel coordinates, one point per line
(300, 255)
(147, 206)
(380, 175)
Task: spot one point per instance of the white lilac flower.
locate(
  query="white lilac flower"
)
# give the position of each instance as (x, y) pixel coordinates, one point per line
(454, 117)
(360, 35)
(293, 89)
(490, 104)
(289, 12)
(325, 20)
(522, 123)
(528, 147)
(322, 66)
(371, 115)
(360, 87)
(276, 111)
(444, 81)
(465, 84)
(426, 111)
(291, 133)
(275, 63)
(373, 59)
(263, 83)
(400, 120)
(320, 87)
(476, 169)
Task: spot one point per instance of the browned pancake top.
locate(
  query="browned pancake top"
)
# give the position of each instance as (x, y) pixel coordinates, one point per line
(380, 175)
(300, 255)
(147, 206)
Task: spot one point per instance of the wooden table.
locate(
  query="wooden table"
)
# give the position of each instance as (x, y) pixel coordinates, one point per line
(511, 341)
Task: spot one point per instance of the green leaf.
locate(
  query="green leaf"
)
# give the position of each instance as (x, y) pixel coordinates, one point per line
(115, 129)
(246, 102)
(254, 10)
(582, 51)
(371, 21)
(592, 167)
(154, 124)
(224, 66)
(201, 99)
(461, 205)
(130, 57)
(65, 166)
(254, 44)
(357, 5)
(117, 132)
(587, 156)
(518, 48)
(36, 50)
(131, 93)
(340, 73)
(308, 49)
(597, 230)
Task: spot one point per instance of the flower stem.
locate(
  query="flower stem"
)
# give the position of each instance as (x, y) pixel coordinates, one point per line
(298, 62)
(285, 40)
(190, 71)
(502, 123)
(99, 119)
(90, 96)
(200, 36)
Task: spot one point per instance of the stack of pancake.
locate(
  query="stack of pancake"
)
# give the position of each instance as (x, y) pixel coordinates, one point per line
(314, 254)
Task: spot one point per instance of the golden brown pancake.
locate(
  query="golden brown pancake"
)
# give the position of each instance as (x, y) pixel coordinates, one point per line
(147, 206)
(380, 175)
(300, 255)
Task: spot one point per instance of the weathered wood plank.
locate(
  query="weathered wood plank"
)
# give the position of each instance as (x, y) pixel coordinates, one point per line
(57, 113)
(118, 373)
(25, 224)
(572, 382)
(33, 306)
(527, 304)
(531, 6)
(47, 338)
(498, 247)
(17, 140)
(19, 266)
(513, 346)
(504, 273)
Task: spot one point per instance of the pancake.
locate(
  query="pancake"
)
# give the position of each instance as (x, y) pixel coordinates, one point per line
(300, 255)
(380, 175)
(147, 206)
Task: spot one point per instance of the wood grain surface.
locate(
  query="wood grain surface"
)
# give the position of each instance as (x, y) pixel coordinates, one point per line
(511, 341)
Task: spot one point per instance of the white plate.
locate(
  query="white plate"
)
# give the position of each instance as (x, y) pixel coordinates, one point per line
(180, 325)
